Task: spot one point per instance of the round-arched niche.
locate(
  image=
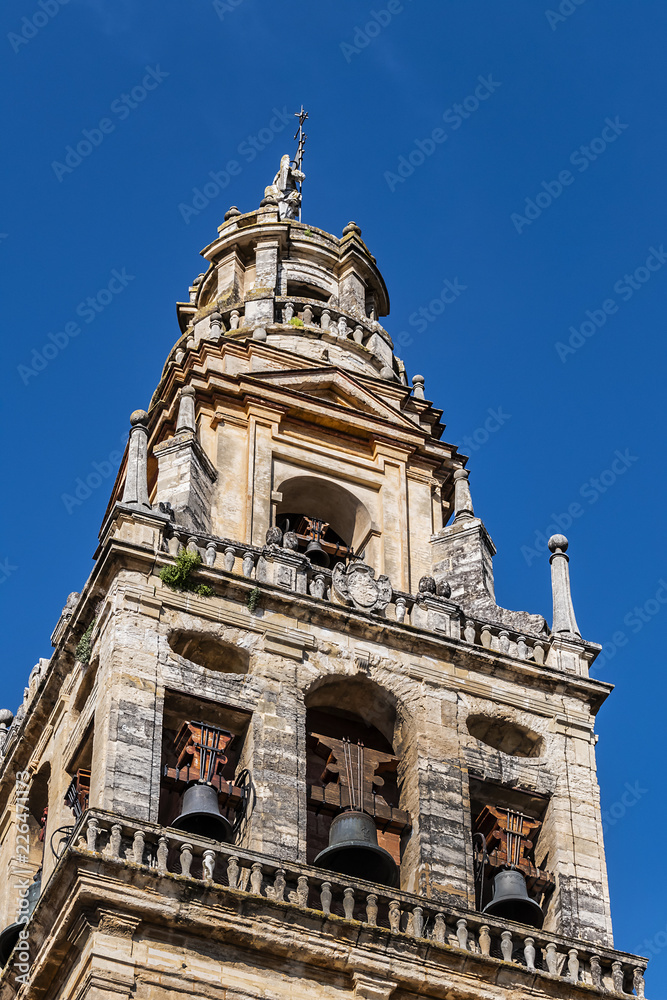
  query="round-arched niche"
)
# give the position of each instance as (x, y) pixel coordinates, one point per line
(324, 499)
(209, 651)
(504, 735)
(356, 697)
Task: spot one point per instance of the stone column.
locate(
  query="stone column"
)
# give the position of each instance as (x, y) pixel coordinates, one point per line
(135, 493)
(563, 620)
(463, 507)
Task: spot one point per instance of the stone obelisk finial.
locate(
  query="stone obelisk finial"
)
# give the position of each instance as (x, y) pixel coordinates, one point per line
(462, 499)
(564, 620)
(136, 480)
(186, 410)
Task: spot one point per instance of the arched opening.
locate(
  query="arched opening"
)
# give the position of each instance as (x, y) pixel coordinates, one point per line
(313, 498)
(351, 763)
(504, 735)
(209, 651)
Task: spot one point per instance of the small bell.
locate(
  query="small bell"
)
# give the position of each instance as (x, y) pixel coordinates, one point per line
(317, 555)
(354, 850)
(200, 814)
(511, 900)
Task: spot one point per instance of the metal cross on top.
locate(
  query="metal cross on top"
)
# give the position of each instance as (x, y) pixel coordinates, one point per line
(301, 136)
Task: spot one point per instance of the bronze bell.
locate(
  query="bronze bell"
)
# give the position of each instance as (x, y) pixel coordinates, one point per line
(511, 900)
(316, 554)
(354, 850)
(10, 935)
(200, 814)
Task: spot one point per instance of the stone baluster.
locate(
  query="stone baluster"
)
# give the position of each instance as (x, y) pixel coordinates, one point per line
(504, 641)
(522, 648)
(186, 859)
(162, 854)
(506, 945)
(469, 631)
(288, 312)
(358, 335)
(401, 608)
(216, 326)
(192, 545)
(342, 328)
(440, 929)
(551, 959)
(138, 847)
(211, 550)
(596, 971)
(279, 886)
(229, 558)
(462, 933)
(232, 871)
(638, 981)
(234, 317)
(485, 940)
(135, 492)
(418, 382)
(372, 909)
(178, 356)
(348, 903)
(92, 833)
(325, 898)
(325, 319)
(486, 637)
(301, 894)
(208, 866)
(256, 879)
(529, 953)
(115, 840)
(573, 965)
(394, 916)
(308, 315)
(248, 564)
(617, 976)
(317, 586)
(563, 617)
(538, 653)
(417, 922)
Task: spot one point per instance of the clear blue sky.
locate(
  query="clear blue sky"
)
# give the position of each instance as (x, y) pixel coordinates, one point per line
(571, 116)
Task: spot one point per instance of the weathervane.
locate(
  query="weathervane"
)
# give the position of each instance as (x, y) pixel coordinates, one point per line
(301, 136)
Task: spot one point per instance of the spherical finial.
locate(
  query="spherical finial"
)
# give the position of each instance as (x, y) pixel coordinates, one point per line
(558, 542)
(461, 474)
(427, 585)
(6, 717)
(139, 417)
(188, 390)
(352, 227)
(418, 380)
(231, 213)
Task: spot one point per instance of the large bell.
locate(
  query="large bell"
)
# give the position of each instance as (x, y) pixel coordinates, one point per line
(316, 554)
(353, 850)
(200, 814)
(511, 900)
(10, 935)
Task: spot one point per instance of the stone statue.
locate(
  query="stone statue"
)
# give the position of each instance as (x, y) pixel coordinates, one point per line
(284, 192)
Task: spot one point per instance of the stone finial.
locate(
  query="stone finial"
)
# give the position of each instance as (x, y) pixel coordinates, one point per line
(216, 325)
(186, 410)
(135, 493)
(462, 499)
(274, 535)
(352, 227)
(259, 333)
(418, 382)
(231, 213)
(427, 585)
(563, 620)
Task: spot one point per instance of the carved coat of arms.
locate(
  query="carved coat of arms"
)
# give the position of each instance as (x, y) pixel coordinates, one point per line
(356, 584)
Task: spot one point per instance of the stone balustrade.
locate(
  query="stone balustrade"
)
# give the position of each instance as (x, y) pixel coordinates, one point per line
(291, 570)
(166, 852)
(339, 324)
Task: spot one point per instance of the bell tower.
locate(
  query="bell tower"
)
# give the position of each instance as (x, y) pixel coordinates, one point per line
(287, 742)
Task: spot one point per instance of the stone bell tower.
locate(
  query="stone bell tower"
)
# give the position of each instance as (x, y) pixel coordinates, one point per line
(287, 743)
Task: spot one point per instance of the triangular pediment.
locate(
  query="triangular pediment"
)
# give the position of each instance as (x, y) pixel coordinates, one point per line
(338, 389)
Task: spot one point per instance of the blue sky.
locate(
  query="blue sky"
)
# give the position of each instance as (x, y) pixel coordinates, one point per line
(516, 154)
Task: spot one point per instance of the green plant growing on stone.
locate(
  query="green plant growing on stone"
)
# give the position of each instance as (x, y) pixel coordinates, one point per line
(295, 321)
(178, 576)
(253, 599)
(84, 646)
